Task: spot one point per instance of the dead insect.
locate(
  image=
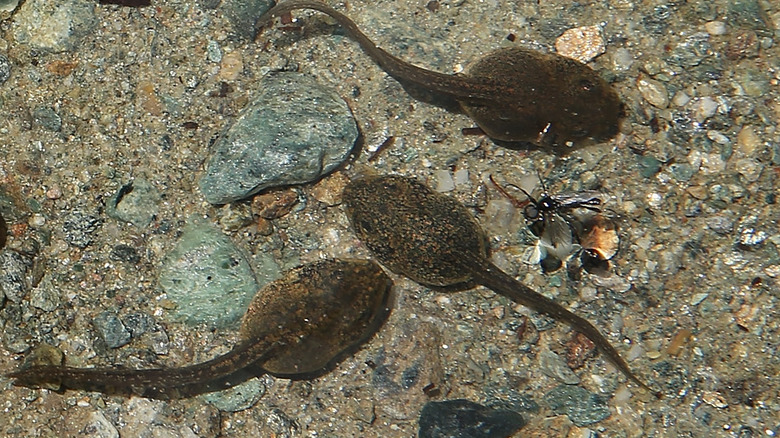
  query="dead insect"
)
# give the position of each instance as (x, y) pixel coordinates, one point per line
(550, 218)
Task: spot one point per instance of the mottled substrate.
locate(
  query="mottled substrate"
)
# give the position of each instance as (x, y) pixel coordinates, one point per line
(692, 180)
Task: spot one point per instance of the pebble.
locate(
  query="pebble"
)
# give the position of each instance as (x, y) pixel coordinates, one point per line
(749, 168)
(653, 91)
(715, 27)
(79, 228)
(8, 5)
(720, 224)
(45, 117)
(554, 366)
(581, 406)
(466, 419)
(46, 295)
(136, 202)
(748, 141)
(54, 26)
(703, 108)
(243, 14)
(112, 330)
(581, 43)
(237, 398)
(124, 253)
(14, 268)
(207, 277)
(5, 68)
(294, 132)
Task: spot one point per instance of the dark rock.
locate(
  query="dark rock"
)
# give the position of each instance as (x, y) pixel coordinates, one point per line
(466, 419)
(79, 227)
(112, 330)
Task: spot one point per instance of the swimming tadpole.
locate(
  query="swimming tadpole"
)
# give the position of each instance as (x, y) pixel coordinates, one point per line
(298, 326)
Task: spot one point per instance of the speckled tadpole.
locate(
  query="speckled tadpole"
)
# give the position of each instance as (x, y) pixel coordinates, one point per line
(434, 240)
(296, 326)
(513, 94)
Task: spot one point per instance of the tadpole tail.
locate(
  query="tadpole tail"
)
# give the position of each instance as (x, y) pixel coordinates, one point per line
(500, 282)
(458, 87)
(151, 380)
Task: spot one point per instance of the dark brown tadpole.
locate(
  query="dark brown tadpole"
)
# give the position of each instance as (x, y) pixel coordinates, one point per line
(434, 240)
(296, 326)
(512, 94)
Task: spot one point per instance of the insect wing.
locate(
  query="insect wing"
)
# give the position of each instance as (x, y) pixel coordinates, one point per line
(589, 199)
(557, 235)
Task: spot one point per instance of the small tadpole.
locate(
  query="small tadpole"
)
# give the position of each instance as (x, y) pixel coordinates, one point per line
(129, 3)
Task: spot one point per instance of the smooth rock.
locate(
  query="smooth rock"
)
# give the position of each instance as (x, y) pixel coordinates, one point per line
(294, 132)
(243, 14)
(466, 419)
(208, 277)
(581, 406)
(237, 398)
(554, 366)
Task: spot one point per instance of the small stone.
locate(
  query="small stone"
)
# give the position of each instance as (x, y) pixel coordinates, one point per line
(750, 238)
(46, 118)
(743, 44)
(466, 419)
(231, 66)
(14, 268)
(139, 323)
(581, 43)
(112, 330)
(654, 92)
(5, 68)
(124, 253)
(329, 189)
(79, 227)
(715, 27)
(275, 204)
(748, 142)
(444, 182)
(46, 295)
(554, 366)
(243, 15)
(213, 51)
(237, 398)
(294, 132)
(54, 26)
(207, 277)
(703, 108)
(581, 406)
(749, 168)
(136, 202)
(720, 224)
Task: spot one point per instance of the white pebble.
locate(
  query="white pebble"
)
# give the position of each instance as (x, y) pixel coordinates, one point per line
(715, 27)
(444, 182)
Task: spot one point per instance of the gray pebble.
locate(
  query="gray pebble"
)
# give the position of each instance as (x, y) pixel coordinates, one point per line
(136, 202)
(45, 117)
(682, 171)
(466, 419)
(139, 323)
(79, 227)
(581, 406)
(13, 273)
(237, 398)
(112, 330)
(554, 366)
(5, 68)
(124, 253)
(294, 132)
(54, 26)
(207, 277)
(721, 224)
(243, 14)
(46, 296)
(648, 166)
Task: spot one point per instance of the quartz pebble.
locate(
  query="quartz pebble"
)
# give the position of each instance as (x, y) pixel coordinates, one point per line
(581, 43)
(654, 92)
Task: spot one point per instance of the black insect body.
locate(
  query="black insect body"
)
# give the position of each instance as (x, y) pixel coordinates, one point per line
(552, 219)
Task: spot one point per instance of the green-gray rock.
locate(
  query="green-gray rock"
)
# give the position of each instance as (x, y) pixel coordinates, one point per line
(294, 132)
(207, 277)
(136, 202)
(582, 407)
